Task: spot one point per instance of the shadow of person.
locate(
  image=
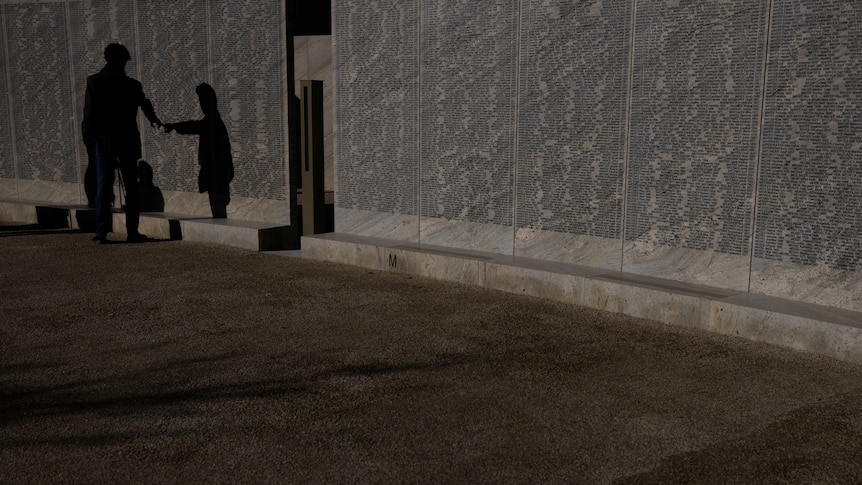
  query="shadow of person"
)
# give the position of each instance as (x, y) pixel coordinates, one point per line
(214, 151)
(90, 172)
(150, 196)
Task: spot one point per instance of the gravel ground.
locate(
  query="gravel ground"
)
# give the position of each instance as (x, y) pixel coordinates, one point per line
(168, 362)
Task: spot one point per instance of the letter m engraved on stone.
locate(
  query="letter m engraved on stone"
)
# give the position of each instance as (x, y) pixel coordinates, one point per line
(393, 260)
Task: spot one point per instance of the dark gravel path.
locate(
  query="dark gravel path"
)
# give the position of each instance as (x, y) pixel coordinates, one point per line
(179, 362)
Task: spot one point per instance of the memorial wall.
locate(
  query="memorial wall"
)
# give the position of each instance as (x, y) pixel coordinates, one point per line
(713, 143)
(237, 46)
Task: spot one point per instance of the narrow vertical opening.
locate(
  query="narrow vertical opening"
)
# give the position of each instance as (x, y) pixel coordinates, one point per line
(305, 129)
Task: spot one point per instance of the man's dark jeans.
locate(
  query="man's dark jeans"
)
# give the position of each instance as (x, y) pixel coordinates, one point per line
(106, 162)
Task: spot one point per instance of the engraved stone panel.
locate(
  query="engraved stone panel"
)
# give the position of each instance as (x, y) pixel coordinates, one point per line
(50, 47)
(94, 25)
(7, 164)
(572, 122)
(249, 77)
(171, 60)
(377, 69)
(469, 62)
(38, 68)
(693, 138)
(808, 241)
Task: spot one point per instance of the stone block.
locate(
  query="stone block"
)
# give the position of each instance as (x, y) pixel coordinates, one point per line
(13, 211)
(252, 235)
(531, 282)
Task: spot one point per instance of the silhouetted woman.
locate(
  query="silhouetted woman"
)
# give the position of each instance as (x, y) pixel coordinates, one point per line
(214, 153)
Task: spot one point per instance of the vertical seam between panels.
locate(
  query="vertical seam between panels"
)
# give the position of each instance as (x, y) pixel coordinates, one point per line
(759, 153)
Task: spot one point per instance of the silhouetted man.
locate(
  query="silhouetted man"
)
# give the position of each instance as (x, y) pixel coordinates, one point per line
(110, 122)
(214, 153)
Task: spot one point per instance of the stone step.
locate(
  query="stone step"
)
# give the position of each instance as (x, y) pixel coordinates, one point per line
(48, 214)
(252, 235)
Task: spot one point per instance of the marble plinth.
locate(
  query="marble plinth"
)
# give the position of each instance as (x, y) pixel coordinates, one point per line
(828, 331)
(597, 252)
(243, 208)
(700, 267)
(251, 235)
(336, 247)
(51, 192)
(818, 284)
(8, 189)
(46, 214)
(492, 238)
(16, 212)
(377, 224)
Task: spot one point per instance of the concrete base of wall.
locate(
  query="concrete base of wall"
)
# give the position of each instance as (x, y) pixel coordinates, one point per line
(811, 328)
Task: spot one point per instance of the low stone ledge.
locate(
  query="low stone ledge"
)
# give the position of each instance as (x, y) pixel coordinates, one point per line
(246, 234)
(252, 235)
(833, 332)
(240, 233)
(47, 214)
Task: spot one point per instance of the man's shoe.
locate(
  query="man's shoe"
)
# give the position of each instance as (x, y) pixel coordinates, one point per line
(100, 239)
(136, 238)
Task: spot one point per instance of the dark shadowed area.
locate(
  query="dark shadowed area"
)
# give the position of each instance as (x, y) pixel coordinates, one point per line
(180, 362)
